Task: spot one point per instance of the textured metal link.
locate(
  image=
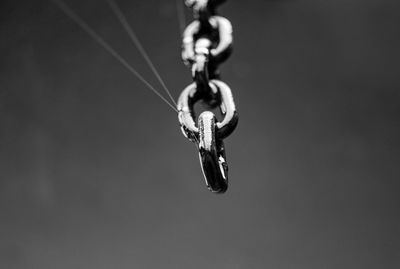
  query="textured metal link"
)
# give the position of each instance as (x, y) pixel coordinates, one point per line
(207, 42)
(202, 9)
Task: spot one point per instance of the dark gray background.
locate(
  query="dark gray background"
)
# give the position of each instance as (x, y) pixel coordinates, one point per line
(94, 172)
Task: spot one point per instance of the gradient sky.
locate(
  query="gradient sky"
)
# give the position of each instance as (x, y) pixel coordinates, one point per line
(95, 173)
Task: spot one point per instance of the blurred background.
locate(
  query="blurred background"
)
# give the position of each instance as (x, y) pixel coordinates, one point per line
(95, 173)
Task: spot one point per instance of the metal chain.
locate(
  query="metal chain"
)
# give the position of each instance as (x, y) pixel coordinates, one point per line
(207, 42)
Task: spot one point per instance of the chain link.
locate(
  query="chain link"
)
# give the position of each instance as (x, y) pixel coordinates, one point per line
(207, 42)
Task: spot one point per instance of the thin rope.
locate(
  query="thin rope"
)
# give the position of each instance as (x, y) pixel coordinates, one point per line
(122, 19)
(70, 13)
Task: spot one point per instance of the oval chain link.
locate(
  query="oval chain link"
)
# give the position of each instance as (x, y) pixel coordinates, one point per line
(207, 42)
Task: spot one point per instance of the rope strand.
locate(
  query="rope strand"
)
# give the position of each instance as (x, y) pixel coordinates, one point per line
(72, 15)
(122, 19)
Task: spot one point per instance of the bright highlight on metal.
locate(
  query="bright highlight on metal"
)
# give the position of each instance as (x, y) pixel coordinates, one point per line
(207, 42)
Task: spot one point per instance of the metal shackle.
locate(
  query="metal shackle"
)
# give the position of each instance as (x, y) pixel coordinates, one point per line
(186, 114)
(208, 133)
